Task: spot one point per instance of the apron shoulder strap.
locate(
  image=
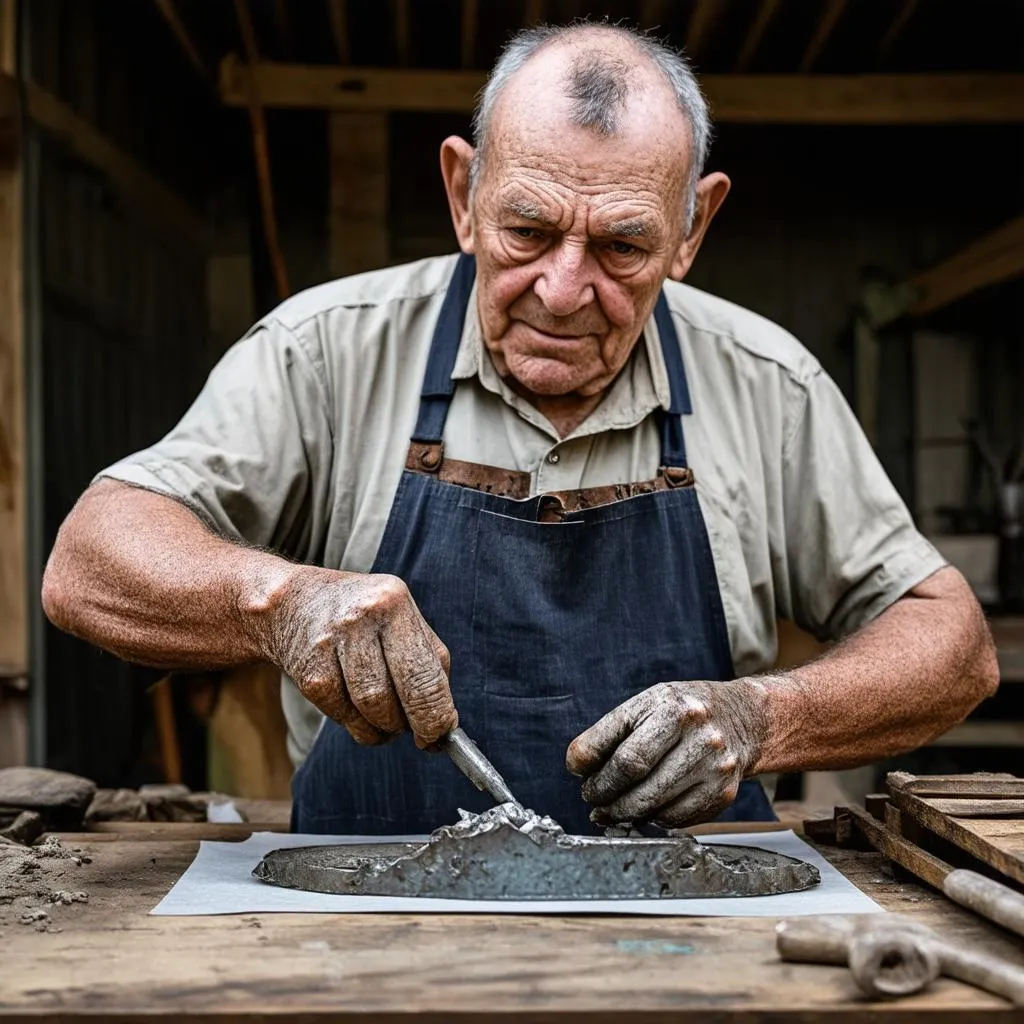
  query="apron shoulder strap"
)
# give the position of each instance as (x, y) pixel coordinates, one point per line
(438, 386)
(673, 443)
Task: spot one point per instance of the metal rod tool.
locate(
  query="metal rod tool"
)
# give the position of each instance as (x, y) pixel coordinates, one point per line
(472, 763)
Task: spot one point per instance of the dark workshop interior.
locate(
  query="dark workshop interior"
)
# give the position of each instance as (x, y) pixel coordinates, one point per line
(154, 207)
(171, 171)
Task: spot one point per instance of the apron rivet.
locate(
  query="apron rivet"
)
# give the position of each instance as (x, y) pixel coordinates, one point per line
(431, 458)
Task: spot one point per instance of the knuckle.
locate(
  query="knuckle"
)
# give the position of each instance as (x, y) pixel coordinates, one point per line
(389, 592)
(319, 688)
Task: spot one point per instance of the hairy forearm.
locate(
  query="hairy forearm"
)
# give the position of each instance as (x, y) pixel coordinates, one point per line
(893, 686)
(141, 576)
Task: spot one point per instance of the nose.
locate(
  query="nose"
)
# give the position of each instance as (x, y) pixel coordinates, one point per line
(566, 285)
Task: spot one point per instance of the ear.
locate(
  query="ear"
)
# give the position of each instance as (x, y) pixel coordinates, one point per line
(711, 193)
(456, 160)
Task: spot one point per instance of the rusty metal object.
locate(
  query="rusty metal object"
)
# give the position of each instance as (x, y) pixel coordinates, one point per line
(893, 956)
(509, 853)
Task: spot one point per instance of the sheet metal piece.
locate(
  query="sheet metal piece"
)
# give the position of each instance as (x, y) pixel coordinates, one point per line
(509, 853)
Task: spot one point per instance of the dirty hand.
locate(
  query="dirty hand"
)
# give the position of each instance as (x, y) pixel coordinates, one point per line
(674, 754)
(358, 648)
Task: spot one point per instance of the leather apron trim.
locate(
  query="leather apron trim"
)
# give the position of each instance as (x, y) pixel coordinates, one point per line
(430, 460)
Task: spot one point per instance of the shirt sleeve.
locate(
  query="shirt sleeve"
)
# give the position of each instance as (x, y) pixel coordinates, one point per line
(252, 455)
(852, 548)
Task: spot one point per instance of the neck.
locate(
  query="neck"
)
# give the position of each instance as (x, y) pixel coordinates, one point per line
(564, 412)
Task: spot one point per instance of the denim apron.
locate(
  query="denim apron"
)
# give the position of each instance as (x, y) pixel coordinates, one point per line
(555, 608)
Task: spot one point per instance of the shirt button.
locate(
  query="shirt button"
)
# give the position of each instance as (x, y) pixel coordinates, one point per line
(554, 457)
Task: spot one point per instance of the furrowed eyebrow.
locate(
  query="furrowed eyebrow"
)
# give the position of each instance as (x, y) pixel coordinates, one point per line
(632, 227)
(527, 211)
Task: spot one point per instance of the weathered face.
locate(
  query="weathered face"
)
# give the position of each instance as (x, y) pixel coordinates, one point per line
(574, 232)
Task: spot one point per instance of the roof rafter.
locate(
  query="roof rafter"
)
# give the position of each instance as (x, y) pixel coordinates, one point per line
(829, 19)
(752, 40)
(185, 41)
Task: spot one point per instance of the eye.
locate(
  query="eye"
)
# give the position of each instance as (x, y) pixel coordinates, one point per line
(524, 232)
(621, 248)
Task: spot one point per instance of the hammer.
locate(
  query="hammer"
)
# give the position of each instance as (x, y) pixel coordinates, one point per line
(893, 956)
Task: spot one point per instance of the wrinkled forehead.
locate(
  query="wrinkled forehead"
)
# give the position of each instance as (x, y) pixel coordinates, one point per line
(630, 117)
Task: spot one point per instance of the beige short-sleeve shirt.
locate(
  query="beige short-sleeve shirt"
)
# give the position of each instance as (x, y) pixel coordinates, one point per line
(298, 440)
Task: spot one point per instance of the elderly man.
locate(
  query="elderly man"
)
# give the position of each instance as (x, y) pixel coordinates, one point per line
(540, 487)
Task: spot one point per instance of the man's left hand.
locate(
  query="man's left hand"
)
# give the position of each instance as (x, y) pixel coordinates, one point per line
(673, 755)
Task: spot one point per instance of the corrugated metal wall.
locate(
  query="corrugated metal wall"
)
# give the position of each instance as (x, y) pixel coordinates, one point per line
(123, 343)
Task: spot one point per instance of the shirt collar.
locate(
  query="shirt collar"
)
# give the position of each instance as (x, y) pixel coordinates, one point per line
(640, 388)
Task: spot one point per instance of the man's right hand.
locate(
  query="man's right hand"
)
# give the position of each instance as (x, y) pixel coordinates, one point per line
(358, 648)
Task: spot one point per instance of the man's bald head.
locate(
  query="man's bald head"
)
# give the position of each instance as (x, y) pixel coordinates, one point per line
(597, 70)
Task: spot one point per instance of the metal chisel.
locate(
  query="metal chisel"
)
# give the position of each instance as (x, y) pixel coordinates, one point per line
(472, 763)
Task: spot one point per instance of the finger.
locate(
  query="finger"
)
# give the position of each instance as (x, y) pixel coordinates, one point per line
(633, 760)
(369, 686)
(419, 677)
(592, 748)
(442, 652)
(686, 765)
(700, 803)
(326, 690)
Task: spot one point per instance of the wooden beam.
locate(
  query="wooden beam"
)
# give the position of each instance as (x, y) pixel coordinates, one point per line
(136, 184)
(185, 41)
(829, 19)
(402, 42)
(996, 257)
(262, 155)
(752, 40)
(13, 566)
(533, 13)
(338, 10)
(358, 218)
(903, 15)
(469, 23)
(652, 14)
(705, 14)
(740, 99)
(283, 26)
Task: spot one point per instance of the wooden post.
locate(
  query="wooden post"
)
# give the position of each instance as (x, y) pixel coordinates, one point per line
(359, 236)
(13, 582)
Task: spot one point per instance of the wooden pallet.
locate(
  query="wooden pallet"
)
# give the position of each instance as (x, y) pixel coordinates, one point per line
(930, 824)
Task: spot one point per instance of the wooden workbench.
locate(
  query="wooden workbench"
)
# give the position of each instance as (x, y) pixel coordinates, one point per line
(110, 958)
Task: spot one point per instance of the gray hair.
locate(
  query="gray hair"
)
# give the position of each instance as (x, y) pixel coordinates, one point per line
(598, 85)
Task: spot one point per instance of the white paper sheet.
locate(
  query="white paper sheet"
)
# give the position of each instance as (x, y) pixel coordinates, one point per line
(219, 881)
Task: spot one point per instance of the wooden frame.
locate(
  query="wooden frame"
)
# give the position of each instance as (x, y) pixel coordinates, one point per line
(752, 99)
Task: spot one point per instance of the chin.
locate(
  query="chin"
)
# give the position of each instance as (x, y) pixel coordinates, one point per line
(548, 377)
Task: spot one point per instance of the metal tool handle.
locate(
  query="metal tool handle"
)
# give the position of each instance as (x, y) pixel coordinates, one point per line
(472, 763)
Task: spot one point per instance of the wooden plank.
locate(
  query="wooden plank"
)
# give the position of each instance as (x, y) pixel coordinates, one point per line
(994, 258)
(1000, 844)
(741, 99)
(470, 16)
(338, 11)
(184, 38)
(826, 26)
(261, 153)
(752, 40)
(703, 18)
(13, 568)
(112, 958)
(968, 808)
(150, 196)
(981, 785)
(402, 17)
(896, 26)
(358, 215)
(533, 13)
(147, 831)
(898, 849)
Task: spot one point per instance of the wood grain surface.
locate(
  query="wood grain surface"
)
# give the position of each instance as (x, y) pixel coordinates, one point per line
(111, 958)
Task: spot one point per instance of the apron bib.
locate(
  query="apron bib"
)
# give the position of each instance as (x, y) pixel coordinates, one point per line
(556, 609)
